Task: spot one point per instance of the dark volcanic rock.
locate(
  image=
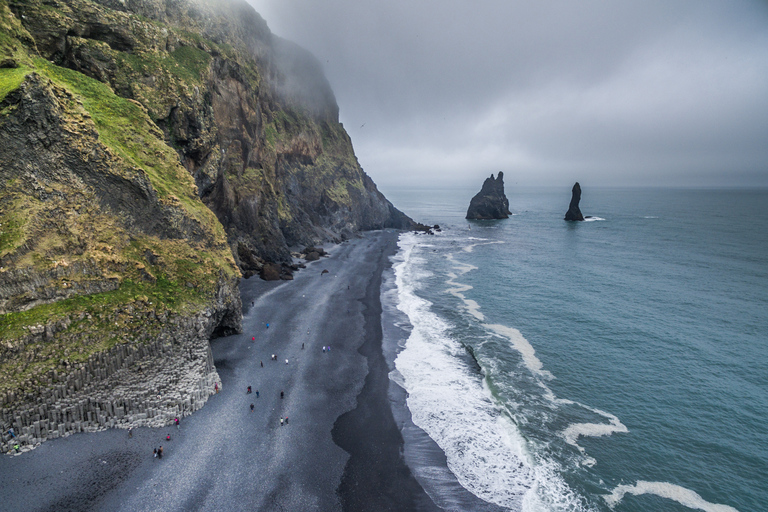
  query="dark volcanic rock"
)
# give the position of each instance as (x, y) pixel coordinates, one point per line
(270, 272)
(490, 202)
(573, 212)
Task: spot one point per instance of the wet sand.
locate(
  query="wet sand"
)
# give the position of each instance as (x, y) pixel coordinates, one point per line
(340, 450)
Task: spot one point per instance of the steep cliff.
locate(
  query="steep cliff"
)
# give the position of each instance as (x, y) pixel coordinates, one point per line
(251, 116)
(148, 149)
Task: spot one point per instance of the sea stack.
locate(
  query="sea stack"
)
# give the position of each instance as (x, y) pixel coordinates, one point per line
(573, 212)
(490, 202)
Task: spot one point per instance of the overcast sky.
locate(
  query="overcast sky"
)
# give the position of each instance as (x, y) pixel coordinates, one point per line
(604, 92)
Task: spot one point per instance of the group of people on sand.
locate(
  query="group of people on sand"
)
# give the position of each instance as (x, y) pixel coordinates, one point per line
(157, 453)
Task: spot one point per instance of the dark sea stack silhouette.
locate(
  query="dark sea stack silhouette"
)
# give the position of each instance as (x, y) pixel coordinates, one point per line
(490, 202)
(573, 212)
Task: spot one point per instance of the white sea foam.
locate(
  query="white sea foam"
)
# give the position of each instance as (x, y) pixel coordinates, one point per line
(471, 247)
(592, 219)
(576, 430)
(449, 400)
(522, 346)
(685, 497)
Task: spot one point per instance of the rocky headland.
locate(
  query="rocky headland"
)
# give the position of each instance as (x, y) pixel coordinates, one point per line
(490, 202)
(574, 213)
(153, 152)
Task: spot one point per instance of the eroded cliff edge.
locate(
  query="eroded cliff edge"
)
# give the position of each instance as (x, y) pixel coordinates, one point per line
(151, 152)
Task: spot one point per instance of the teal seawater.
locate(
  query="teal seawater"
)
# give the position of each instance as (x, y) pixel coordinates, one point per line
(650, 324)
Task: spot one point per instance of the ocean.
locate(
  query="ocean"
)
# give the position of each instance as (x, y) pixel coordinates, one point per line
(615, 364)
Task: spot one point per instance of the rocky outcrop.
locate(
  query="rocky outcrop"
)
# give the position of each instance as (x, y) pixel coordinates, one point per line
(152, 150)
(490, 202)
(251, 116)
(573, 212)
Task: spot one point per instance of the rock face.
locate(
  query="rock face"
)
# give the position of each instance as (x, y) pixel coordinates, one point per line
(151, 152)
(490, 202)
(573, 212)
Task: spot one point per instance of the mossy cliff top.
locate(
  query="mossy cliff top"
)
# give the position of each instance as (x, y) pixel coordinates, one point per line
(251, 116)
(101, 229)
(150, 151)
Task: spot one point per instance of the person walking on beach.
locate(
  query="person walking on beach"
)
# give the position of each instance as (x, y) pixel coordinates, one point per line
(251, 407)
(257, 393)
(249, 390)
(154, 453)
(302, 346)
(262, 364)
(16, 447)
(11, 431)
(160, 452)
(130, 431)
(286, 361)
(216, 387)
(281, 422)
(286, 420)
(282, 395)
(176, 421)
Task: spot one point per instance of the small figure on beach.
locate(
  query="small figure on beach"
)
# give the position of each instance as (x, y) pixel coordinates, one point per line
(249, 391)
(253, 338)
(274, 357)
(154, 453)
(257, 393)
(286, 420)
(286, 361)
(130, 431)
(160, 452)
(281, 422)
(251, 407)
(262, 364)
(267, 325)
(323, 349)
(176, 421)
(216, 387)
(282, 395)
(16, 447)
(12, 432)
(302, 346)
(168, 437)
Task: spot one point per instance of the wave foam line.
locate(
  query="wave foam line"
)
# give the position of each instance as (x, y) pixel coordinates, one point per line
(471, 247)
(448, 401)
(576, 430)
(522, 345)
(685, 497)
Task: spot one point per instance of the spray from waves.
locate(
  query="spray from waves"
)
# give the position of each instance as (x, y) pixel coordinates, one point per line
(673, 492)
(592, 219)
(450, 401)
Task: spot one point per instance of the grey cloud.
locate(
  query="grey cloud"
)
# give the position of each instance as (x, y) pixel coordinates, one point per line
(655, 92)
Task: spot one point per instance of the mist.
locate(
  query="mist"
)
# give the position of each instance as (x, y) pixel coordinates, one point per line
(658, 93)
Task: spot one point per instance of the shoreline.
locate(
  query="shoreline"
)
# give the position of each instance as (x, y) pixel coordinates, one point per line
(426, 460)
(226, 457)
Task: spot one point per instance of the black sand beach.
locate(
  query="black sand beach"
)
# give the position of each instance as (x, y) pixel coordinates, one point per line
(226, 457)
